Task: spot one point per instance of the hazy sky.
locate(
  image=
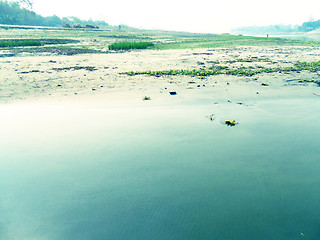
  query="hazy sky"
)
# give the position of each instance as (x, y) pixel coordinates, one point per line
(182, 15)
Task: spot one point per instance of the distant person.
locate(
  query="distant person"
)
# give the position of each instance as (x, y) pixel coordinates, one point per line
(267, 35)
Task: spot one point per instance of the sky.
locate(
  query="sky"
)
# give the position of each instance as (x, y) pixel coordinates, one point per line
(203, 16)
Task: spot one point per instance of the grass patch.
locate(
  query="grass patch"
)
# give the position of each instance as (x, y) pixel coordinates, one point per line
(130, 45)
(243, 71)
(309, 66)
(225, 40)
(22, 43)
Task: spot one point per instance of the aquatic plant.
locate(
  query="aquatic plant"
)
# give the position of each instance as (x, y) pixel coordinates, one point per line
(130, 45)
(230, 122)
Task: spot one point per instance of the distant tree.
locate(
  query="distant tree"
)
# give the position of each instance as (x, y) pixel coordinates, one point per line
(14, 13)
(310, 26)
(26, 3)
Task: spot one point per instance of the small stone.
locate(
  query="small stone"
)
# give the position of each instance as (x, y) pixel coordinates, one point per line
(173, 93)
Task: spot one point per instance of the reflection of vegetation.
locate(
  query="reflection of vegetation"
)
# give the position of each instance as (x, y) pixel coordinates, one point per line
(130, 45)
(306, 81)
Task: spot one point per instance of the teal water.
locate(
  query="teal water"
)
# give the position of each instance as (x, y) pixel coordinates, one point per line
(161, 172)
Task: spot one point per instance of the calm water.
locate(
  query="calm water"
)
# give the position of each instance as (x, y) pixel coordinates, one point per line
(160, 172)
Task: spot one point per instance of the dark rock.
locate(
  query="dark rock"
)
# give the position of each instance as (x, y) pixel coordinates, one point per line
(90, 26)
(77, 25)
(173, 93)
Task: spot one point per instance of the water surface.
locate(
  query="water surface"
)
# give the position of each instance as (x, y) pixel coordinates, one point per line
(160, 172)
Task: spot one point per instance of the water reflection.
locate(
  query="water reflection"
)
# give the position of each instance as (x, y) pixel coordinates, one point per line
(153, 172)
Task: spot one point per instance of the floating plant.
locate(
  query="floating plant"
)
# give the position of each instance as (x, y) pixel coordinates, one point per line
(231, 122)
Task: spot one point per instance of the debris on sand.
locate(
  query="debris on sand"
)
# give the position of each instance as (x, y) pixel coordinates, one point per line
(211, 117)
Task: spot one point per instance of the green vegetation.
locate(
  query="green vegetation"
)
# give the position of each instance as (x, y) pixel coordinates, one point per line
(193, 73)
(243, 71)
(310, 66)
(204, 73)
(20, 43)
(100, 41)
(226, 40)
(306, 81)
(13, 13)
(88, 68)
(57, 50)
(230, 122)
(130, 45)
(146, 98)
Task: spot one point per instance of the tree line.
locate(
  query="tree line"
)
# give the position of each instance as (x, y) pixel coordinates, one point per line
(304, 27)
(20, 13)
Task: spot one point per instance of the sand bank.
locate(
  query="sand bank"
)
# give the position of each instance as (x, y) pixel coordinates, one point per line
(54, 77)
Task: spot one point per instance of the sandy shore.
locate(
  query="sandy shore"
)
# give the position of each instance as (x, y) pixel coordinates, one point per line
(54, 77)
